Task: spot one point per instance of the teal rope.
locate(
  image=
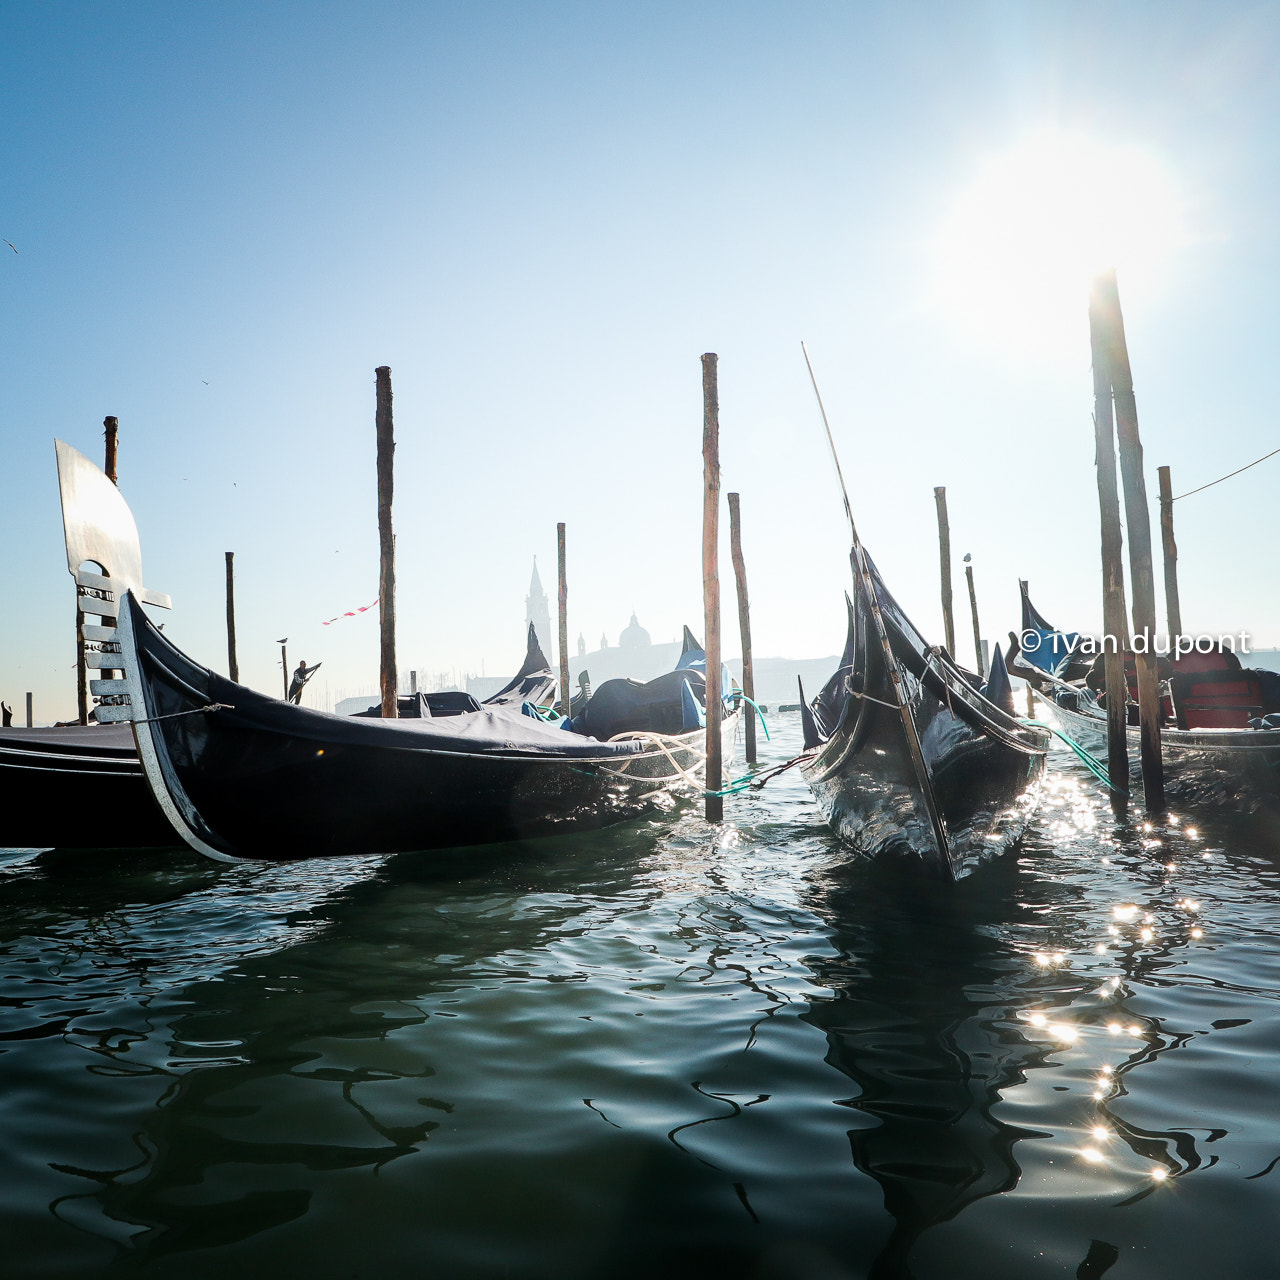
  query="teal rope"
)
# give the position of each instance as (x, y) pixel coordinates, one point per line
(741, 784)
(1090, 762)
(737, 785)
(760, 713)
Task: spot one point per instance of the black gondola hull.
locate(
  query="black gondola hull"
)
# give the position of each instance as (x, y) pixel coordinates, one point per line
(866, 787)
(76, 788)
(256, 780)
(983, 767)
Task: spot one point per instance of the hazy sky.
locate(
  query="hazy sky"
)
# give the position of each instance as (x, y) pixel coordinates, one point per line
(540, 215)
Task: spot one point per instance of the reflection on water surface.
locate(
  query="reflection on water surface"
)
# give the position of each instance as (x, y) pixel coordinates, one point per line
(647, 1051)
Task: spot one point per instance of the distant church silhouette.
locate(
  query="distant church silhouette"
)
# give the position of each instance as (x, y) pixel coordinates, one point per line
(636, 656)
(537, 611)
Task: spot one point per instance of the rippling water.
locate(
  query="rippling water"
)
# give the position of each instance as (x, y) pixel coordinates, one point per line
(651, 1051)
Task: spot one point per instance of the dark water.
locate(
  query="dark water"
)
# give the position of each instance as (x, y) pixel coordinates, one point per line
(648, 1052)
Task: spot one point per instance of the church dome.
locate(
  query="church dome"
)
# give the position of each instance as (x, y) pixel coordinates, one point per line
(635, 636)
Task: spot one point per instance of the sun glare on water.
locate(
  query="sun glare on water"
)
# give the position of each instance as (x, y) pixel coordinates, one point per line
(1019, 244)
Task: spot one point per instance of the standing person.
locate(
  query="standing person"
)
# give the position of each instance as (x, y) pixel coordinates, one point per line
(300, 678)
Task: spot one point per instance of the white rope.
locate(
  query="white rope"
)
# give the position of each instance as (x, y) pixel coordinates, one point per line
(660, 741)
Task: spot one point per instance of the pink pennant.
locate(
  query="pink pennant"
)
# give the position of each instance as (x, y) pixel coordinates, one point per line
(351, 613)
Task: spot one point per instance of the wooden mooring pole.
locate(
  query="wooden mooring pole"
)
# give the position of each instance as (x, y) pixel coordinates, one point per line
(566, 695)
(973, 610)
(284, 666)
(711, 580)
(233, 667)
(386, 544)
(29, 723)
(111, 429)
(744, 624)
(944, 556)
(82, 672)
(1173, 607)
(1114, 625)
(1138, 523)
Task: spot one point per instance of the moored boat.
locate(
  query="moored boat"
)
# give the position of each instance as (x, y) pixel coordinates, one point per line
(244, 776)
(1217, 738)
(241, 775)
(907, 755)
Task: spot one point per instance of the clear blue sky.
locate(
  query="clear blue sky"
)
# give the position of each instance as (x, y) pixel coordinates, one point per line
(540, 215)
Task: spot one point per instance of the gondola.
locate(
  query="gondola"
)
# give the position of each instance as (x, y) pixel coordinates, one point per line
(82, 786)
(910, 756)
(240, 775)
(244, 776)
(1219, 736)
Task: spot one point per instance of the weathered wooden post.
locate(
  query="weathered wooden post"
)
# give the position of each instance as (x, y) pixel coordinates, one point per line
(284, 666)
(744, 624)
(566, 696)
(111, 428)
(111, 431)
(1138, 522)
(1173, 607)
(386, 544)
(944, 556)
(973, 610)
(711, 580)
(29, 723)
(233, 667)
(1114, 625)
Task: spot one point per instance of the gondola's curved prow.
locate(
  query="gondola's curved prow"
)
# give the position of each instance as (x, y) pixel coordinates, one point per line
(980, 760)
(534, 681)
(153, 750)
(1042, 648)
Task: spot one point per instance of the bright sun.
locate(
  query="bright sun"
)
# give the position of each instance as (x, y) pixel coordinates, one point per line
(1018, 245)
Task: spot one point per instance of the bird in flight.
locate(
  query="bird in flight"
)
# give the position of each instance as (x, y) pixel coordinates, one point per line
(12, 246)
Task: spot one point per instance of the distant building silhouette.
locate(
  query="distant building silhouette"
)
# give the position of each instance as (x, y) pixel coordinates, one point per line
(637, 657)
(536, 609)
(634, 636)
